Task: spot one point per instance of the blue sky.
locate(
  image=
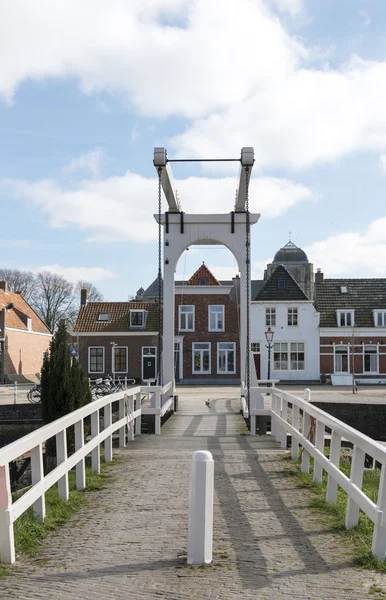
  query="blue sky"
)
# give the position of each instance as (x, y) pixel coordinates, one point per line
(88, 89)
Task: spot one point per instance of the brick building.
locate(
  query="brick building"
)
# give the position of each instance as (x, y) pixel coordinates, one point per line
(24, 338)
(117, 338)
(352, 328)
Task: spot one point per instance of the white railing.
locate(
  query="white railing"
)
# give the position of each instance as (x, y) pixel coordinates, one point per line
(128, 425)
(306, 425)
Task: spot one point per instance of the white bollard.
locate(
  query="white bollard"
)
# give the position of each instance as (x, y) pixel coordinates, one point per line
(200, 530)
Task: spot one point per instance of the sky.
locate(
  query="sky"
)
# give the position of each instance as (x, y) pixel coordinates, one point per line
(88, 89)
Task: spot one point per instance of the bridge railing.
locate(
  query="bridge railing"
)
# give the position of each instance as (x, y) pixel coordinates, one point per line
(128, 424)
(306, 424)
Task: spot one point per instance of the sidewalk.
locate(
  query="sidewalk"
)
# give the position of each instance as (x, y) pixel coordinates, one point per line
(131, 542)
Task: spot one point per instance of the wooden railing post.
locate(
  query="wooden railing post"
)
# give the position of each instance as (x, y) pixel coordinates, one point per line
(356, 476)
(130, 403)
(305, 467)
(95, 453)
(122, 430)
(7, 543)
(61, 456)
(295, 424)
(109, 440)
(37, 474)
(379, 536)
(284, 415)
(80, 467)
(319, 444)
(158, 404)
(332, 486)
(138, 419)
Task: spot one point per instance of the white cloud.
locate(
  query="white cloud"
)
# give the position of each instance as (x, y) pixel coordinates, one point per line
(352, 254)
(75, 274)
(86, 162)
(382, 160)
(365, 17)
(122, 208)
(293, 7)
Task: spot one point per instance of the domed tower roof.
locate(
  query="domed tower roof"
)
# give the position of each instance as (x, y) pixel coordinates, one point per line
(290, 253)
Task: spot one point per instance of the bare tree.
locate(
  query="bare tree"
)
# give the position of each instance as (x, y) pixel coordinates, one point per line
(53, 299)
(93, 294)
(20, 281)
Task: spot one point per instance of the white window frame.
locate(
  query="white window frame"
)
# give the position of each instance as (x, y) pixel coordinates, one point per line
(201, 350)
(376, 371)
(345, 312)
(382, 314)
(226, 350)
(113, 358)
(291, 312)
(29, 323)
(89, 358)
(139, 310)
(254, 349)
(270, 311)
(340, 354)
(275, 368)
(181, 312)
(291, 351)
(216, 314)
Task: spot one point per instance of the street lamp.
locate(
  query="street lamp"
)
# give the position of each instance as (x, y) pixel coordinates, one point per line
(269, 337)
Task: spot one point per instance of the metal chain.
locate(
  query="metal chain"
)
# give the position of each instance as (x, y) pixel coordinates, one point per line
(159, 362)
(247, 283)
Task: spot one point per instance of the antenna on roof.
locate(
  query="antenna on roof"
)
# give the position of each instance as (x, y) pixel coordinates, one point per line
(290, 233)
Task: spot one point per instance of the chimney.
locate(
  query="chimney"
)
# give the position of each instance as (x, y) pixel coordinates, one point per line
(4, 286)
(319, 276)
(236, 285)
(83, 296)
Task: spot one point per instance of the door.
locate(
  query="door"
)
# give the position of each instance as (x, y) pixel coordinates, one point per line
(149, 363)
(255, 349)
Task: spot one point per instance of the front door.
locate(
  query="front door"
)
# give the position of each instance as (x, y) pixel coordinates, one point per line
(149, 363)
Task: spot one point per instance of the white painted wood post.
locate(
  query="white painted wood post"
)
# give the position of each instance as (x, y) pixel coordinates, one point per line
(307, 395)
(356, 476)
(284, 414)
(295, 424)
(130, 407)
(7, 543)
(253, 424)
(108, 419)
(200, 528)
(305, 466)
(61, 457)
(273, 417)
(319, 444)
(332, 486)
(378, 547)
(37, 474)
(15, 393)
(138, 419)
(95, 454)
(80, 467)
(158, 404)
(122, 430)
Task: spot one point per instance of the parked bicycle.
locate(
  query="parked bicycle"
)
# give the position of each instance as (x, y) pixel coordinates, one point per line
(103, 387)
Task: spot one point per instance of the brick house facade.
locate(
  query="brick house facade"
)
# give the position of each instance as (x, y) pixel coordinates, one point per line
(24, 338)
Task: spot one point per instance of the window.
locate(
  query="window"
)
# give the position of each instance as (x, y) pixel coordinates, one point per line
(343, 289)
(186, 318)
(379, 318)
(29, 324)
(345, 318)
(270, 317)
(292, 317)
(96, 359)
(216, 317)
(281, 284)
(201, 358)
(280, 356)
(203, 281)
(103, 317)
(255, 347)
(297, 356)
(226, 354)
(137, 318)
(120, 359)
(341, 359)
(370, 359)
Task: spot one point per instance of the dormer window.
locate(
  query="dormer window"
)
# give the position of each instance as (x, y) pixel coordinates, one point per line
(379, 318)
(103, 317)
(203, 281)
(343, 289)
(345, 318)
(281, 284)
(138, 318)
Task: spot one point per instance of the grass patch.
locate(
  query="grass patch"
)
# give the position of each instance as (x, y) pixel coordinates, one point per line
(29, 532)
(333, 515)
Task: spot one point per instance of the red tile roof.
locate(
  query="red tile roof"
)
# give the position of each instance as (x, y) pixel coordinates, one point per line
(18, 313)
(203, 273)
(119, 316)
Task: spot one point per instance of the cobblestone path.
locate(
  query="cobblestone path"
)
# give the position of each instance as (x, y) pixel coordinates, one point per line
(130, 543)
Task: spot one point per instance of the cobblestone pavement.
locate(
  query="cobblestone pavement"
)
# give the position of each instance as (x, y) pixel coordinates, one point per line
(130, 543)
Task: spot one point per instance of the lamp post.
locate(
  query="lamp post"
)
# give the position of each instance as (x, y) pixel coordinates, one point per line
(269, 337)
